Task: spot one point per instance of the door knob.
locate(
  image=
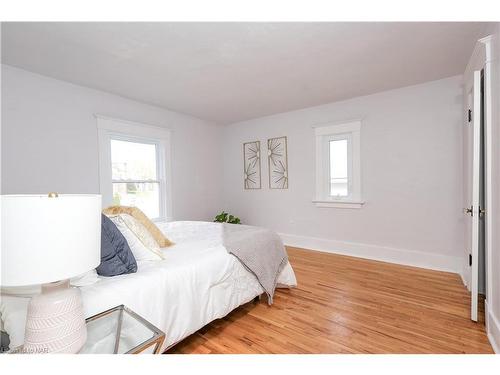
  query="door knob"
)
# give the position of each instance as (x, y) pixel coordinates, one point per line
(468, 210)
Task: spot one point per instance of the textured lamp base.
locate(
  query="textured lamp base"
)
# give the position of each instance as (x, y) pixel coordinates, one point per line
(55, 321)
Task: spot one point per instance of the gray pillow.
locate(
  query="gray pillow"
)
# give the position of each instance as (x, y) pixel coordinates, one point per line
(116, 256)
(4, 342)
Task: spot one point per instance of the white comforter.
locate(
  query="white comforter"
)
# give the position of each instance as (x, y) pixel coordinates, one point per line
(196, 283)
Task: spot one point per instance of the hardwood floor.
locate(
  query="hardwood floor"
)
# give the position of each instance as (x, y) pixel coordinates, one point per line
(350, 305)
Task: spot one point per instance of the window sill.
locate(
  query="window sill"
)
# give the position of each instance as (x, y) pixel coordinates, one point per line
(338, 204)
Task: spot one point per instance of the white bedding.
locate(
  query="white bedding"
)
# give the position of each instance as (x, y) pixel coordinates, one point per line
(197, 282)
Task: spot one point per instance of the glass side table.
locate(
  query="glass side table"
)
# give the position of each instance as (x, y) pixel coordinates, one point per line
(121, 331)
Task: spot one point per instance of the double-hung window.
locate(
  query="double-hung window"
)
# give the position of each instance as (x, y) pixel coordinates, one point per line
(338, 165)
(135, 174)
(133, 162)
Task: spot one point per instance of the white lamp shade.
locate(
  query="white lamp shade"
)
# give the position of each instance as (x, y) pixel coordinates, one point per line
(46, 239)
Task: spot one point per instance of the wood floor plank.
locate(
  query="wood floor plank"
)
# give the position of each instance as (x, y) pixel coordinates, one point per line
(350, 305)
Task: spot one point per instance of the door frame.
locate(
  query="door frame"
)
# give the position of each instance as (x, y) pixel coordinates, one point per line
(477, 184)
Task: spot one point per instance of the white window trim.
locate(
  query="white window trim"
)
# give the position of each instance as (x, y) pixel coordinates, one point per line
(107, 128)
(333, 131)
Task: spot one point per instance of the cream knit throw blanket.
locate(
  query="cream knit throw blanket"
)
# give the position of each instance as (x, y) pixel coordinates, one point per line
(260, 250)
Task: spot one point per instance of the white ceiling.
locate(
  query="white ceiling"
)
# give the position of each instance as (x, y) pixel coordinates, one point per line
(229, 72)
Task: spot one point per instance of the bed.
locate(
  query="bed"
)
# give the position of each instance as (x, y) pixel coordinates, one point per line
(196, 283)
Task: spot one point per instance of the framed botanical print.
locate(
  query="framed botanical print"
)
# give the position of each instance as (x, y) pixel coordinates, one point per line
(278, 163)
(251, 164)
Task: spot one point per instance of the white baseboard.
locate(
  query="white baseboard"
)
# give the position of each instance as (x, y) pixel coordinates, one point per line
(465, 274)
(385, 254)
(492, 328)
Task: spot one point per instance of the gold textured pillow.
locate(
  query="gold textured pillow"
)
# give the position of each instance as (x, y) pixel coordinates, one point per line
(140, 231)
(143, 219)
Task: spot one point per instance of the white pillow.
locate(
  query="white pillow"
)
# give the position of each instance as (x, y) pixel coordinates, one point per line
(139, 249)
(87, 278)
(21, 291)
(13, 313)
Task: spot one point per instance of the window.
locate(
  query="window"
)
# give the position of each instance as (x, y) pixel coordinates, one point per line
(338, 182)
(134, 175)
(339, 177)
(133, 162)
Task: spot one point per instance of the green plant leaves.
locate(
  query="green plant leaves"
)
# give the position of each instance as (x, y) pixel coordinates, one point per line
(224, 217)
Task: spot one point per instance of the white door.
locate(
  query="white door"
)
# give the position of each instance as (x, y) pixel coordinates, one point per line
(477, 187)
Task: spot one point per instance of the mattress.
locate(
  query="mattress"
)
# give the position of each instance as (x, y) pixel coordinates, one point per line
(197, 282)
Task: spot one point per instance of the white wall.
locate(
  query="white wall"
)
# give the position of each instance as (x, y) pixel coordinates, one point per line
(411, 177)
(49, 142)
(493, 315)
(411, 164)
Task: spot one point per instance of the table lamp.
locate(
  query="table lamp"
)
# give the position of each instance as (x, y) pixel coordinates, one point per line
(47, 239)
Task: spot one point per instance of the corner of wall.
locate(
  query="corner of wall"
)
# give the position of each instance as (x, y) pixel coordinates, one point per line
(464, 274)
